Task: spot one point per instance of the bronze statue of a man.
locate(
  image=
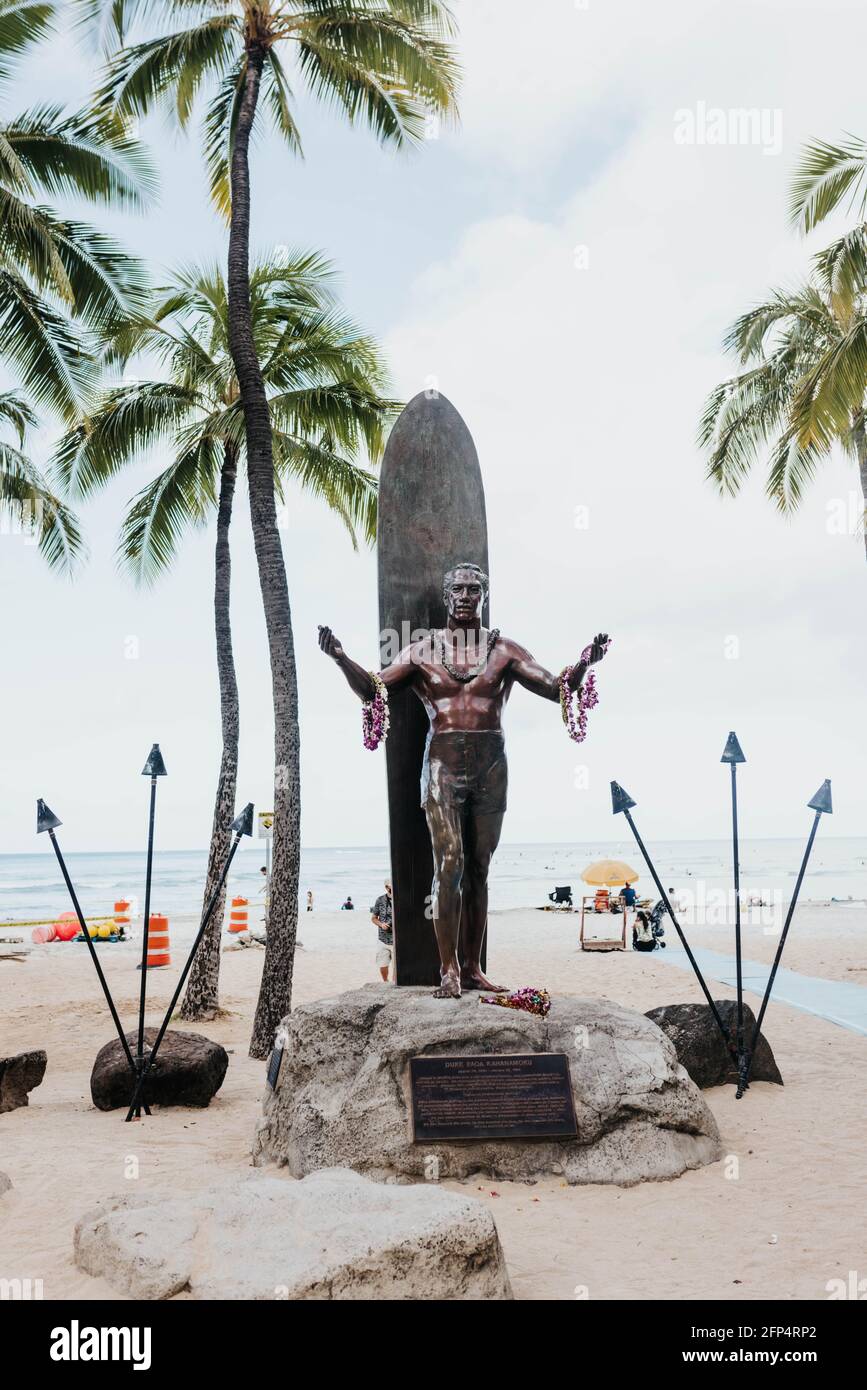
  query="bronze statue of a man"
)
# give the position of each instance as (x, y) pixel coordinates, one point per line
(463, 676)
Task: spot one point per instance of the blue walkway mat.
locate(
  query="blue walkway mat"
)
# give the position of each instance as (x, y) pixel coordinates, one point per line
(835, 1000)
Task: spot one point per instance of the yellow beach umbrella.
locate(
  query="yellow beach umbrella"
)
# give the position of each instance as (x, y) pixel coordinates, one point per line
(612, 873)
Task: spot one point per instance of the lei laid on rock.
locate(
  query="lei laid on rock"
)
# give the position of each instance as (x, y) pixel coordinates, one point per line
(586, 698)
(531, 1001)
(374, 714)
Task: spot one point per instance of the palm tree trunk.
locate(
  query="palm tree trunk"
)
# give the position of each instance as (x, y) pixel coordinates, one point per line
(202, 1000)
(275, 994)
(860, 435)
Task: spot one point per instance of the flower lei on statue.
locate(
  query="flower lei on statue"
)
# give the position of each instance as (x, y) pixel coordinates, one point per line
(530, 1001)
(586, 698)
(375, 717)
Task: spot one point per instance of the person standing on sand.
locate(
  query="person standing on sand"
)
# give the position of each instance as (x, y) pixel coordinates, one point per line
(383, 919)
(309, 899)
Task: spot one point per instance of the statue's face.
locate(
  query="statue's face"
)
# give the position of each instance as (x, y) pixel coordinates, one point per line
(466, 596)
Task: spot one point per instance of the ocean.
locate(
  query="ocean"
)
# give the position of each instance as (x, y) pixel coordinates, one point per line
(31, 886)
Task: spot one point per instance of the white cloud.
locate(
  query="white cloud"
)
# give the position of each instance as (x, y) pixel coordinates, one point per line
(583, 386)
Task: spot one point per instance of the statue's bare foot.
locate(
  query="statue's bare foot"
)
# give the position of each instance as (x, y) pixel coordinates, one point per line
(474, 979)
(450, 986)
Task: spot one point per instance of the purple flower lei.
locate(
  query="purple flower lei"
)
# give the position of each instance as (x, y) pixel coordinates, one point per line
(531, 1001)
(374, 714)
(587, 698)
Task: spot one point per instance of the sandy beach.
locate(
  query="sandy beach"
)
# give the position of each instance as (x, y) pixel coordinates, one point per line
(791, 1220)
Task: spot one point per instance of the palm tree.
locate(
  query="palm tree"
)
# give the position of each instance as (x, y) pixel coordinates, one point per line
(802, 392)
(806, 350)
(323, 381)
(385, 62)
(62, 284)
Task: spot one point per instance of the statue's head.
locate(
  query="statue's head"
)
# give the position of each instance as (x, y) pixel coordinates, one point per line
(465, 589)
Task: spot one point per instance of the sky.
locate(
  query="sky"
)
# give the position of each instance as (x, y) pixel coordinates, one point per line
(562, 266)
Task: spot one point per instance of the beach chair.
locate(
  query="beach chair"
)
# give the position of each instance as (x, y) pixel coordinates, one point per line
(561, 895)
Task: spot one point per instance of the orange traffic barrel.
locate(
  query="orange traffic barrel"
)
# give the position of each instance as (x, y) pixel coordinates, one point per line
(158, 941)
(238, 915)
(121, 913)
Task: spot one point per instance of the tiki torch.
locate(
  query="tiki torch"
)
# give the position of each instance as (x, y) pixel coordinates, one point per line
(242, 825)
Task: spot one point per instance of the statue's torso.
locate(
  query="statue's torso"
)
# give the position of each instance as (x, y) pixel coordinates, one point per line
(453, 705)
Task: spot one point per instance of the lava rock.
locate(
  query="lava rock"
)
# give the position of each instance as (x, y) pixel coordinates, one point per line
(18, 1075)
(343, 1099)
(700, 1048)
(189, 1070)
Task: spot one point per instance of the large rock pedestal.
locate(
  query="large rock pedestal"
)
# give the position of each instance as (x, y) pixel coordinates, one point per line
(343, 1096)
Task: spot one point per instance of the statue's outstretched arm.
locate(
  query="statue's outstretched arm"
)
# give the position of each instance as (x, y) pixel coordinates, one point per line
(527, 671)
(399, 673)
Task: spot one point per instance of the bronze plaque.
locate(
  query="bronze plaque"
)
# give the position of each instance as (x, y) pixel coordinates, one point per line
(492, 1096)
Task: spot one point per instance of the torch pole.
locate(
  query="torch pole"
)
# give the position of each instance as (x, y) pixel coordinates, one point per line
(739, 968)
(145, 930)
(93, 956)
(822, 805)
(683, 941)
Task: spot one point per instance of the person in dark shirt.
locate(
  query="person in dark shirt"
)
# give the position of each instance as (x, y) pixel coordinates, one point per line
(348, 906)
(629, 895)
(382, 917)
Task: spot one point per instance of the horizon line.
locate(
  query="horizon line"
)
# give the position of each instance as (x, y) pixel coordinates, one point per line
(504, 844)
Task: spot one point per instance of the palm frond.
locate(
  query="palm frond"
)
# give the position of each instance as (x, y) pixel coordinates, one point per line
(54, 366)
(22, 22)
(40, 515)
(823, 178)
(181, 497)
(841, 269)
(834, 387)
(344, 413)
(83, 154)
(129, 421)
(748, 335)
(16, 410)
(107, 286)
(376, 66)
(169, 69)
(346, 489)
(221, 120)
(28, 245)
(741, 416)
(792, 467)
(277, 95)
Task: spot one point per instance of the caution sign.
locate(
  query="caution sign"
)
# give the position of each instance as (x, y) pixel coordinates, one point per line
(266, 825)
